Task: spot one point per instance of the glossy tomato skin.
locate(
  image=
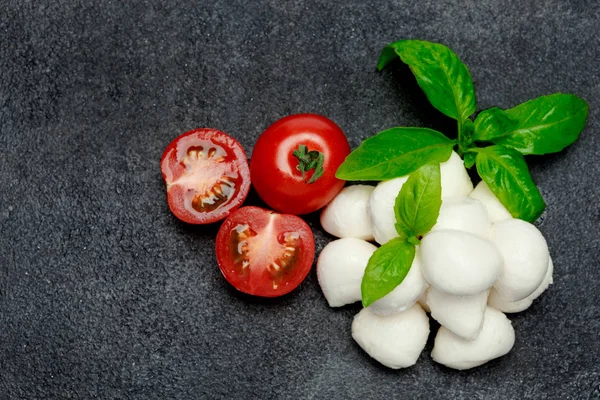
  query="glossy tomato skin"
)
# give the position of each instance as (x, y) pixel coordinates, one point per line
(207, 175)
(263, 253)
(273, 166)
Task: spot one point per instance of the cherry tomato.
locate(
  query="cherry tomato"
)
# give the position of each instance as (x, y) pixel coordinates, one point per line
(264, 253)
(294, 163)
(207, 175)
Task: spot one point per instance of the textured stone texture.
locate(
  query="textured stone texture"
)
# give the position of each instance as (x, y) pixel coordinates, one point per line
(104, 294)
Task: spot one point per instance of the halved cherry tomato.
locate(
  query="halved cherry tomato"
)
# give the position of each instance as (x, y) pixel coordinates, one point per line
(207, 175)
(294, 162)
(264, 253)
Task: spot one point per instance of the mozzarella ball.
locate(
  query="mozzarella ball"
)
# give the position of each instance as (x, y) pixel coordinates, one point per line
(459, 263)
(463, 214)
(396, 340)
(495, 209)
(455, 182)
(404, 295)
(455, 178)
(381, 209)
(422, 301)
(526, 258)
(346, 215)
(508, 306)
(548, 280)
(340, 268)
(461, 315)
(496, 338)
(517, 306)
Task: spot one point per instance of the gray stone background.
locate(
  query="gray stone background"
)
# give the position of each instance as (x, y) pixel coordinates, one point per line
(104, 294)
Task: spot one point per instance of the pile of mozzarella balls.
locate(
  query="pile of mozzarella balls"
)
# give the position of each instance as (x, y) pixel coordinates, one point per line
(476, 264)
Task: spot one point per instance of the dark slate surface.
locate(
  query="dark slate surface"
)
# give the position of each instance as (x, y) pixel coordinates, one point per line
(104, 294)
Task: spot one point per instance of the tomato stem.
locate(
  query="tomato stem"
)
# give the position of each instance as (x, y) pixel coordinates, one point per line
(309, 160)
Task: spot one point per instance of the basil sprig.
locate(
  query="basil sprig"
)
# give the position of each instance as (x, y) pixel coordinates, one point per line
(494, 142)
(417, 208)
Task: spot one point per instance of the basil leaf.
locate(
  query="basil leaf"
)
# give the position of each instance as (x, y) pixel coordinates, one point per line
(465, 134)
(387, 268)
(469, 160)
(393, 153)
(506, 173)
(418, 204)
(491, 123)
(440, 73)
(544, 125)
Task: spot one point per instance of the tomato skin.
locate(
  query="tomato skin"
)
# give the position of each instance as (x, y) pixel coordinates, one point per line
(273, 167)
(252, 239)
(202, 163)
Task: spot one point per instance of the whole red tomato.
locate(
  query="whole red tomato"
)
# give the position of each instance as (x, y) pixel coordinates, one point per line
(294, 163)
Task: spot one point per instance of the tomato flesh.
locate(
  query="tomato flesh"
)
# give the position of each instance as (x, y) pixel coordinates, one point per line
(277, 172)
(263, 253)
(207, 175)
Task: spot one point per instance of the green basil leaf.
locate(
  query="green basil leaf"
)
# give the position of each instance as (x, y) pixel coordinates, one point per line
(393, 153)
(465, 134)
(492, 123)
(387, 268)
(506, 173)
(418, 204)
(440, 73)
(388, 54)
(544, 125)
(469, 160)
